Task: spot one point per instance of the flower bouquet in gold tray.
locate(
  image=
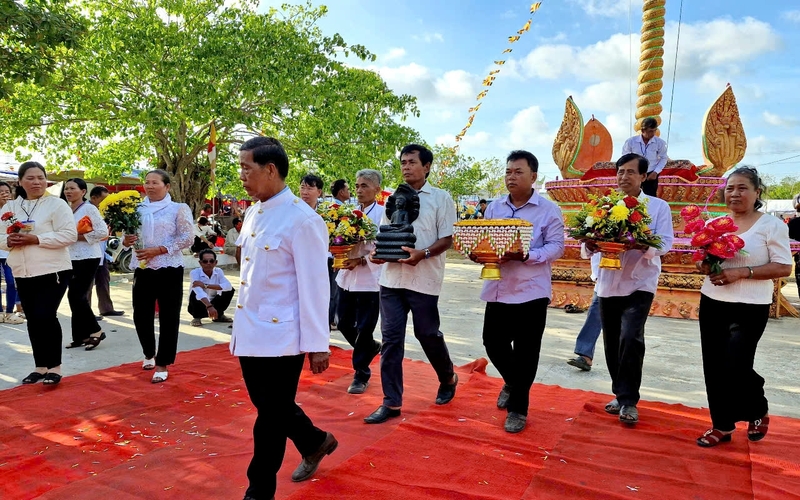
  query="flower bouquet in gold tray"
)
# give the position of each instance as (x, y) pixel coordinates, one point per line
(616, 223)
(347, 227)
(489, 240)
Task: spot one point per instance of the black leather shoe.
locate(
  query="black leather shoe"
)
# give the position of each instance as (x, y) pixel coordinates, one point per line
(381, 415)
(515, 422)
(357, 387)
(447, 392)
(310, 464)
(113, 313)
(502, 399)
(98, 318)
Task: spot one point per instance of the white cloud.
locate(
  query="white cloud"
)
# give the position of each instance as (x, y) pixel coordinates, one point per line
(452, 87)
(429, 37)
(559, 37)
(792, 15)
(609, 96)
(712, 82)
(528, 128)
(609, 8)
(704, 46)
(779, 121)
(471, 140)
(457, 85)
(394, 53)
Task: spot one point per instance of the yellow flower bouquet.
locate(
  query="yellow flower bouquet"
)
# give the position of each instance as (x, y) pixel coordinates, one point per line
(346, 228)
(119, 211)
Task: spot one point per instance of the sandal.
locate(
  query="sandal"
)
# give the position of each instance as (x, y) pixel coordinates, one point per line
(51, 378)
(159, 377)
(573, 308)
(77, 343)
(757, 429)
(149, 364)
(196, 322)
(613, 407)
(628, 415)
(33, 378)
(713, 437)
(93, 342)
(223, 319)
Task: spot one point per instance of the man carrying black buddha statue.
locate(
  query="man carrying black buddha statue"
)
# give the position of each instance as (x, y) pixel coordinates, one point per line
(414, 283)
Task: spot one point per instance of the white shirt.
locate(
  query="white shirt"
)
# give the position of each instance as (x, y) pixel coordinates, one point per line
(437, 214)
(767, 241)
(284, 296)
(640, 270)
(230, 240)
(92, 248)
(363, 278)
(173, 231)
(217, 278)
(55, 228)
(655, 151)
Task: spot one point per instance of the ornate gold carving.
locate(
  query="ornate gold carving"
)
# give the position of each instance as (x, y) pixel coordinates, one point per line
(724, 142)
(568, 140)
(685, 310)
(668, 305)
(653, 307)
(651, 63)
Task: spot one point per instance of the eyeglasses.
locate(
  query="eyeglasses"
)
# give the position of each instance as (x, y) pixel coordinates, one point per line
(207, 261)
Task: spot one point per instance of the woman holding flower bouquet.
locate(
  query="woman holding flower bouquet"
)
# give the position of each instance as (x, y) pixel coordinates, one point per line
(39, 228)
(166, 229)
(734, 305)
(85, 254)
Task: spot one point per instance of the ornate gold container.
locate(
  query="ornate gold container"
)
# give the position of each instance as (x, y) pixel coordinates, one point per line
(340, 254)
(489, 240)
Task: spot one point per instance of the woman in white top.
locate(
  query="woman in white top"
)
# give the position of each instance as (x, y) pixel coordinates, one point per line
(85, 254)
(167, 228)
(42, 268)
(734, 308)
(8, 316)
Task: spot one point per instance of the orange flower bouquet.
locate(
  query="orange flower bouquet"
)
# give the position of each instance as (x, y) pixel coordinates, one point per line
(85, 225)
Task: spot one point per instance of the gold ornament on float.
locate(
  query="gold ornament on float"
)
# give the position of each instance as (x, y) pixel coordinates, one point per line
(568, 141)
(724, 141)
(491, 239)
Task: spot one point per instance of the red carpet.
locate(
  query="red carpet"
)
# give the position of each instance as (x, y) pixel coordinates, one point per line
(112, 435)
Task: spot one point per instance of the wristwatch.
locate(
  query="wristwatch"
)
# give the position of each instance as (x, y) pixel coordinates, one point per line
(427, 253)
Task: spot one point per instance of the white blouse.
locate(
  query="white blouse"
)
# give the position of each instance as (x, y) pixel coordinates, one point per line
(767, 241)
(173, 229)
(92, 247)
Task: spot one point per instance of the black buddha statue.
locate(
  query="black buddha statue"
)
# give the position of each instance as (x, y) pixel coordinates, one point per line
(402, 209)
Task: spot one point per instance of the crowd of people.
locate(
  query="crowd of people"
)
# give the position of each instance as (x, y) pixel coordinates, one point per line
(282, 316)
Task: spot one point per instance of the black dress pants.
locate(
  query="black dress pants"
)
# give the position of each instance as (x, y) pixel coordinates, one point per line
(512, 335)
(333, 306)
(80, 284)
(623, 321)
(358, 316)
(650, 188)
(272, 385)
(40, 297)
(729, 335)
(164, 285)
(221, 302)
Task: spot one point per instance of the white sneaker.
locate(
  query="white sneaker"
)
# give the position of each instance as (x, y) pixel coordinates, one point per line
(13, 319)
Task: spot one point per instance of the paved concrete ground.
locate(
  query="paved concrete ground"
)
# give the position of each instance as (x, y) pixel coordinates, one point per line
(672, 367)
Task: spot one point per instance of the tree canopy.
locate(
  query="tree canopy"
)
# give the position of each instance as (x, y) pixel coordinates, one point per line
(36, 35)
(149, 78)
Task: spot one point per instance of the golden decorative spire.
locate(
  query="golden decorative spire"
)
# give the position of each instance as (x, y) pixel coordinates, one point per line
(568, 141)
(724, 142)
(651, 62)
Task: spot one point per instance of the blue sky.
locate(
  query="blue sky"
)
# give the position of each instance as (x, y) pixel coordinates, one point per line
(441, 50)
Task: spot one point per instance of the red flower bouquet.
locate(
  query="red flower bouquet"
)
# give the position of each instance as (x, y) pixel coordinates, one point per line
(14, 226)
(714, 239)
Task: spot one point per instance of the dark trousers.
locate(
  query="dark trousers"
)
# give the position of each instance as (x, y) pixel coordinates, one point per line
(83, 319)
(102, 281)
(272, 385)
(221, 301)
(11, 289)
(513, 346)
(650, 188)
(729, 335)
(797, 271)
(164, 285)
(358, 316)
(333, 305)
(623, 320)
(40, 297)
(395, 305)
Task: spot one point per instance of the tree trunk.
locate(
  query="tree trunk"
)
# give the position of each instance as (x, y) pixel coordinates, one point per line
(190, 180)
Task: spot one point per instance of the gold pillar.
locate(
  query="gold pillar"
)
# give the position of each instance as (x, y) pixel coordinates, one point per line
(651, 62)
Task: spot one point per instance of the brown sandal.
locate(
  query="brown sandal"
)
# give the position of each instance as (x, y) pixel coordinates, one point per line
(93, 342)
(757, 429)
(713, 437)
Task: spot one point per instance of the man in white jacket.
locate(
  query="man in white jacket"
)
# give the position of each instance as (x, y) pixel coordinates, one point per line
(281, 315)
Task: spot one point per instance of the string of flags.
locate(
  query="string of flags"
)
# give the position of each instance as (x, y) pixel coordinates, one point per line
(489, 80)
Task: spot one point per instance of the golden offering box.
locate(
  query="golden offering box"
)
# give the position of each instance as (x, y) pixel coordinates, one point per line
(489, 240)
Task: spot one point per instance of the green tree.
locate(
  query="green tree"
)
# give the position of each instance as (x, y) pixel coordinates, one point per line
(458, 174)
(785, 188)
(149, 78)
(35, 36)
